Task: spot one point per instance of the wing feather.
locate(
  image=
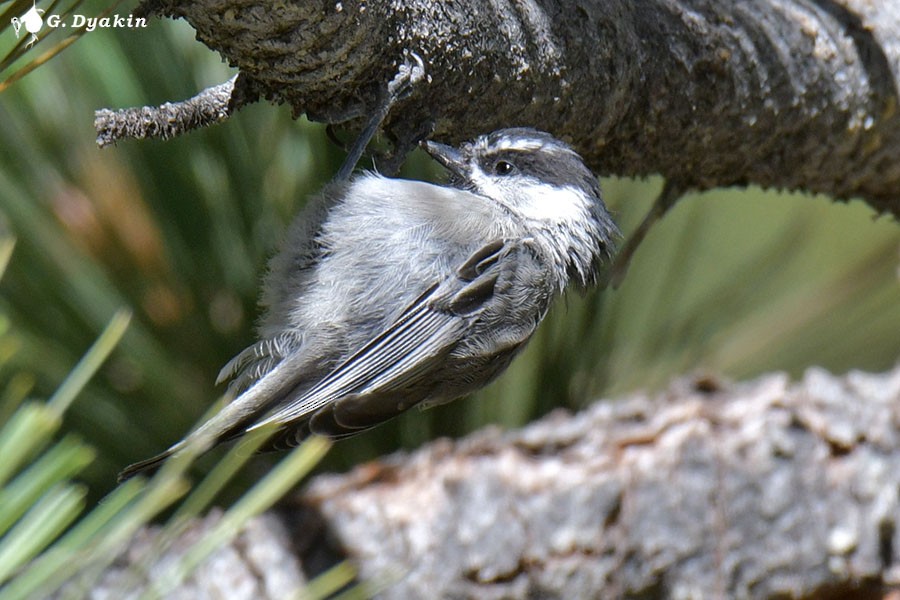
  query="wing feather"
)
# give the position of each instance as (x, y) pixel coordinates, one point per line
(401, 356)
(414, 338)
(253, 363)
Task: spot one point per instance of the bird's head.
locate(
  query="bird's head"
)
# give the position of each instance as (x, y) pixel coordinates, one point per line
(542, 181)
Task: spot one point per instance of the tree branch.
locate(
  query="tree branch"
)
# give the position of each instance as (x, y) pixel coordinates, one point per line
(764, 489)
(212, 105)
(798, 94)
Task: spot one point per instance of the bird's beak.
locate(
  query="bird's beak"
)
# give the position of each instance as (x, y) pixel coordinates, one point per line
(448, 156)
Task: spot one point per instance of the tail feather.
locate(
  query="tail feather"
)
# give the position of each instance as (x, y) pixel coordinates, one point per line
(235, 417)
(148, 466)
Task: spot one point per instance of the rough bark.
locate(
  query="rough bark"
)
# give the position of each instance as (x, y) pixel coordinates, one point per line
(765, 489)
(798, 94)
(258, 564)
(213, 105)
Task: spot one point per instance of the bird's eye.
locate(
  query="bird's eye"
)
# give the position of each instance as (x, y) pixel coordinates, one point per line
(501, 167)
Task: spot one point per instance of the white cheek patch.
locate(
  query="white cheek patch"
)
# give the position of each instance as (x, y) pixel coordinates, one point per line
(552, 204)
(489, 186)
(535, 201)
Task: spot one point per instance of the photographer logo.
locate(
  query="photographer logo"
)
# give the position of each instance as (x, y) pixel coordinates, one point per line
(32, 22)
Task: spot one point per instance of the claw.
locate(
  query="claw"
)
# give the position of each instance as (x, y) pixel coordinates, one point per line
(398, 88)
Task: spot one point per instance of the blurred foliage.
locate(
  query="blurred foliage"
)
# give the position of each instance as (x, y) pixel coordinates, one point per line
(21, 52)
(732, 283)
(45, 545)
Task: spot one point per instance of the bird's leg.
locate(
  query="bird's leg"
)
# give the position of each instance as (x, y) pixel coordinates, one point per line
(408, 75)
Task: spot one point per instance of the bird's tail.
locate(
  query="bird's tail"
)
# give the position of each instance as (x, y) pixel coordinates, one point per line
(148, 466)
(199, 442)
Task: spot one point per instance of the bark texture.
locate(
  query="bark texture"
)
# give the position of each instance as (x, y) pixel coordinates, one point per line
(798, 94)
(213, 105)
(765, 489)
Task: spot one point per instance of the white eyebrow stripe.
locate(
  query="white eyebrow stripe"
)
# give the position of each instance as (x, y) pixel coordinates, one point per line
(507, 143)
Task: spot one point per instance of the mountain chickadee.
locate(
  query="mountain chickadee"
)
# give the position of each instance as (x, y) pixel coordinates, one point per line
(391, 293)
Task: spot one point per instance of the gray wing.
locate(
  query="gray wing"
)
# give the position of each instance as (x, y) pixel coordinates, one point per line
(289, 272)
(394, 371)
(388, 375)
(254, 362)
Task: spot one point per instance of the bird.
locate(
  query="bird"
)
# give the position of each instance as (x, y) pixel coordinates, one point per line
(388, 294)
